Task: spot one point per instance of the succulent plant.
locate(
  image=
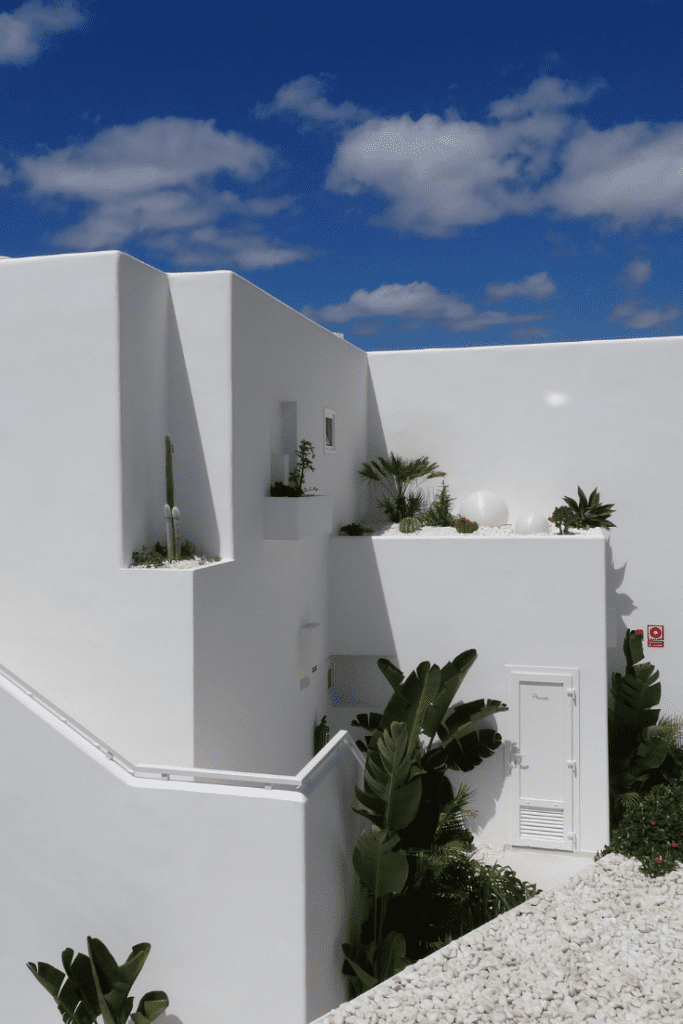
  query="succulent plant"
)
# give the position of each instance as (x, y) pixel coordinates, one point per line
(171, 513)
(463, 525)
(587, 514)
(410, 524)
(354, 530)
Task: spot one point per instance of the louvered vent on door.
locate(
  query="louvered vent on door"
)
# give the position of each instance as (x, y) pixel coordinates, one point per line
(541, 823)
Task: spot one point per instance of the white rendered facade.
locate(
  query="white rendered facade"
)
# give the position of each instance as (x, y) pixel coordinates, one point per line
(102, 356)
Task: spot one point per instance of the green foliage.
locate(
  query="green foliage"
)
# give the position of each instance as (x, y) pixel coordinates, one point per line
(411, 524)
(171, 513)
(319, 735)
(354, 530)
(563, 516)
(399, 505)
(97, 985)
(652, 830)
(640, 757)
(158, 554)
(585, 515)
(439, 513)
(418, 888)
(296, 476)
(463, 525)
(280, 490)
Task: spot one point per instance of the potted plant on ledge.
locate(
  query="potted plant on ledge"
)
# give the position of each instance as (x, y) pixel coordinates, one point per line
(288, 514)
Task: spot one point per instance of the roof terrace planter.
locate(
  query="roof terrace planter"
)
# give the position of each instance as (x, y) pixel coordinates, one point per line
(297, 518)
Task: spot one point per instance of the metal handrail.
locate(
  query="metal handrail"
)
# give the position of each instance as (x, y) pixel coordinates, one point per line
(190, 774)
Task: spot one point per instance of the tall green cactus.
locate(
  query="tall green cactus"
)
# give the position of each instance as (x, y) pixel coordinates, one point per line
(171, 513)
(99, 986)
(169, 472)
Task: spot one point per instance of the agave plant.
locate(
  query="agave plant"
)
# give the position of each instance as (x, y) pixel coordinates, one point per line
(400, 505)
(98, 985)
(403, 863)
(586, 514)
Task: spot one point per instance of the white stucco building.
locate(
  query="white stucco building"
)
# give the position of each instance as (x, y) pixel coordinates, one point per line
(106, 669)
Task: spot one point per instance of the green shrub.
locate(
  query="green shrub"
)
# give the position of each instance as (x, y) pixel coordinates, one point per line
(440, 512)
(417, 887)
(296, 476)
(653, 831)
(354, 530)
(398, 504)
(158, 554)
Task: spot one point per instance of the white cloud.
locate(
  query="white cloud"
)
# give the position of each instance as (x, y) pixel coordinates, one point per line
(535, 286)
(133, 159)
(636, 318)
(637, 272)
(630, 174)
(210, 245)
(26, 29)
(441, 174)
(304, 97)
(421, 302)
(544, 95)
(153, 180)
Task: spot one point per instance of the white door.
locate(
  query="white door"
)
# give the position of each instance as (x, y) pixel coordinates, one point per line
(544, 758)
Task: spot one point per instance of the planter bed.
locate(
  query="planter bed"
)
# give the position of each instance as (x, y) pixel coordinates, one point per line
(391, 530)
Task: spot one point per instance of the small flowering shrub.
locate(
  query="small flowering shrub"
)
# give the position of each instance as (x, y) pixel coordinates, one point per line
(652, 831)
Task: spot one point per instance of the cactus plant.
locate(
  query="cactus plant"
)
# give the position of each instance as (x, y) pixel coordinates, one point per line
(169, 472)
(440, 512)
(99, 982)
(464, 525)
(410, 524)
(171, 513)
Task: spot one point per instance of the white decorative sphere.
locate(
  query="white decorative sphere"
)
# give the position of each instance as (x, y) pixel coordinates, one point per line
(485, 508)
(532, 522)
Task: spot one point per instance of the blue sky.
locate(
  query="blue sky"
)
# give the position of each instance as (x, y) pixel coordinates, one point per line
(412, 176)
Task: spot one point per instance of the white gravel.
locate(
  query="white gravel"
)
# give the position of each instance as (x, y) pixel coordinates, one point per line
(185, 563)
(606, 946)
(392, 531)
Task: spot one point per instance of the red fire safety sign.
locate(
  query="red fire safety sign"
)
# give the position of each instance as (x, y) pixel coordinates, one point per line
(655, 636)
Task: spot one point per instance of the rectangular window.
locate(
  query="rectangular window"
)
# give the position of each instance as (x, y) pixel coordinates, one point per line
(330, 438)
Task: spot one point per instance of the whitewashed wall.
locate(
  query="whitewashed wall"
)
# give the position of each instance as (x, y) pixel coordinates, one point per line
(253, 710)
(535, 422)
(244, 894)
(432, 599)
